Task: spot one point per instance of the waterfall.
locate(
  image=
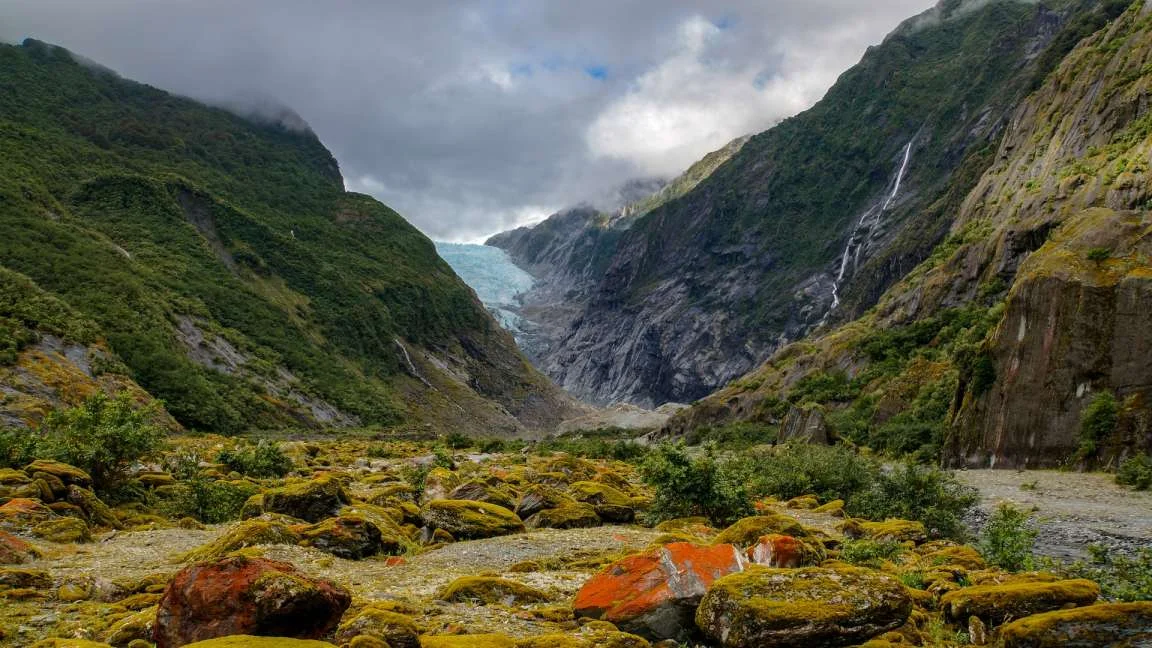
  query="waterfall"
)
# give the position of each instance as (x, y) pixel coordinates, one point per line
(865, 226)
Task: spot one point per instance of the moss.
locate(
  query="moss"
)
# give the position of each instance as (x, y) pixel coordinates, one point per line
(132, 627)
(348, 536)
(56, 642)
(748, 530)
(398, 630)
(997, 603)
(466, 519)
(63, 530)
(311, 501)
(895, 530)
(245, 641)
(245, 534)
(1093, 625)
(572, 516)
(467, 641)
(17, 578)
(491, 591)
(588, 637)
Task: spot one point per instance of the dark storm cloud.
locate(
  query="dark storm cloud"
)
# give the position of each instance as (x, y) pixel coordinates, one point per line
(471, 117)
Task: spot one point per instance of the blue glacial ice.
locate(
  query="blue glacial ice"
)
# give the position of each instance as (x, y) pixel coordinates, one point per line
(490, 272)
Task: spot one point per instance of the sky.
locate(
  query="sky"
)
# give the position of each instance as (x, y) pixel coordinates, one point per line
(473, 117)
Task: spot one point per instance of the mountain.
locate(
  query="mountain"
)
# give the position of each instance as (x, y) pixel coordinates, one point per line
(1022, 340)
(216, 262)
(808, 223)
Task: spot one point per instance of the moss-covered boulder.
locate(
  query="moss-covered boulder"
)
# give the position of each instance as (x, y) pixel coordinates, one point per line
(1106, 624)
(700, 527)
(246, 641)
(134, 627)
(576, 515)
(22, 513)
(483, 492)
(469, 520)
(395, 629)
(350, 537)
(995, 604)
(611, 504)
(69, 475)
(894, 530)
(57, 642)
(242, 595)
(382, 494)
(811, 606)
(311, 501)
(586, 637)
(249, 533)
(253, 507)
(539, 497)
(438, 483)
(745, 532)
(96, 512)
(467, 641)
(489, 590)
(63, 530)
(15, 578)
(961, 556)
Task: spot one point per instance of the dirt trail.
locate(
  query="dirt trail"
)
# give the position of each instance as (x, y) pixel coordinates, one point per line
(1073, 510)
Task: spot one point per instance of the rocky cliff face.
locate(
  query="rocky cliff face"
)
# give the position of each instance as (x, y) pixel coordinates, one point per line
(222, 267)
(809, 222)
(1035, 304)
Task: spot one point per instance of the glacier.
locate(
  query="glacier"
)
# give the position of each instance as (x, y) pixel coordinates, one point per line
(490, 272)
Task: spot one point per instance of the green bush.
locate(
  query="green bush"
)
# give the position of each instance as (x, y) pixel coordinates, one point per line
(458, 441)
(261, 459)
(17, 447)
(1099, 254)
(1121, 577)
(870, 553)
(1136, 472)
(1007, 541)
(915, 492)
(102, 436)
(687, 486)
(209, 501)
(1097, 422)
(791, 470)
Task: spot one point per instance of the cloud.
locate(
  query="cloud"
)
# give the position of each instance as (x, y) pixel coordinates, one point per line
(471, 116)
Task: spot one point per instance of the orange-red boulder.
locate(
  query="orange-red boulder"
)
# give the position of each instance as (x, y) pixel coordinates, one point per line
(655, 594)
(776, 550)
(246, 596)
(14, 551)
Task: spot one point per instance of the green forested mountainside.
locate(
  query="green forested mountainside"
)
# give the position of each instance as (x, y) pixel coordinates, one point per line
(1022, 340)
(706, 286)
(222, 262)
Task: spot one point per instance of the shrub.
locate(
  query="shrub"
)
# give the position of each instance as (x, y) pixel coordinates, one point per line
(915, 492)
(870, 553)
(1121, 577)
(791, 470)
(687, 486)
(1099, 254)
(458, 441)
(1007, 541)
(260, 459)
(211, 502)
(17, 448)
(1097, 422)
(102, 436)
(1136, 472)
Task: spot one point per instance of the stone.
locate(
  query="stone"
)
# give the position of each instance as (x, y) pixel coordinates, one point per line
(586, 637)
(467, 641)
(22, 513)
(749, 530)
(397, 630)
(16, 578)
(777, 550)
(242, 595)
(311, 501)
(96, 512)
(1105, 624)
(137, 626)
(438, 483)
(249, 533)
(576, 515)
(800, 608)
(63, 530)
(995, 604)
(245, 641)
(611, 504)
(894, 530)
(349, 537)
(539, 497)
(482, 492)
(469, 520)
(489, 590)
(654, 594)
(70, 475)
(15, 551)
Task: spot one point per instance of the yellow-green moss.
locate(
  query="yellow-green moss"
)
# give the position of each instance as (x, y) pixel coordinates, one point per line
(466, 519)
(1094, 625)
(249, 533)
(245, 641)
(491, 591)
(749, 530)
(398, 630)
(996, 603)
(572, 516)
(467, 641)
(895, 530)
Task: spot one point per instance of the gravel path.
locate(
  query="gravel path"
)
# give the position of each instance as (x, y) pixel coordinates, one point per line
(1072, 510)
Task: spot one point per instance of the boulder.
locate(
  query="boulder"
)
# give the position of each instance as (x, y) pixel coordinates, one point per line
(14, 551)
(63, 530)
(810, 606)
(610, 503)
(95, 511)
(539, 497)
(438, 483)
(995, 604)
(749, 530)
(69, 475)
(311, 501)
(17, 579)
(245, 641)
(894, 530)
(56, 642)
(467, 641)
(242, 595)
(1106, 624)
(576, 515)
(137, 626)
(480, 492)
(396, 630)
(22, 513)
(586, 637)
(654, 594)
(249, 533)
(468, 520)
(350, 537)
(775, 550)
(489, 590)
